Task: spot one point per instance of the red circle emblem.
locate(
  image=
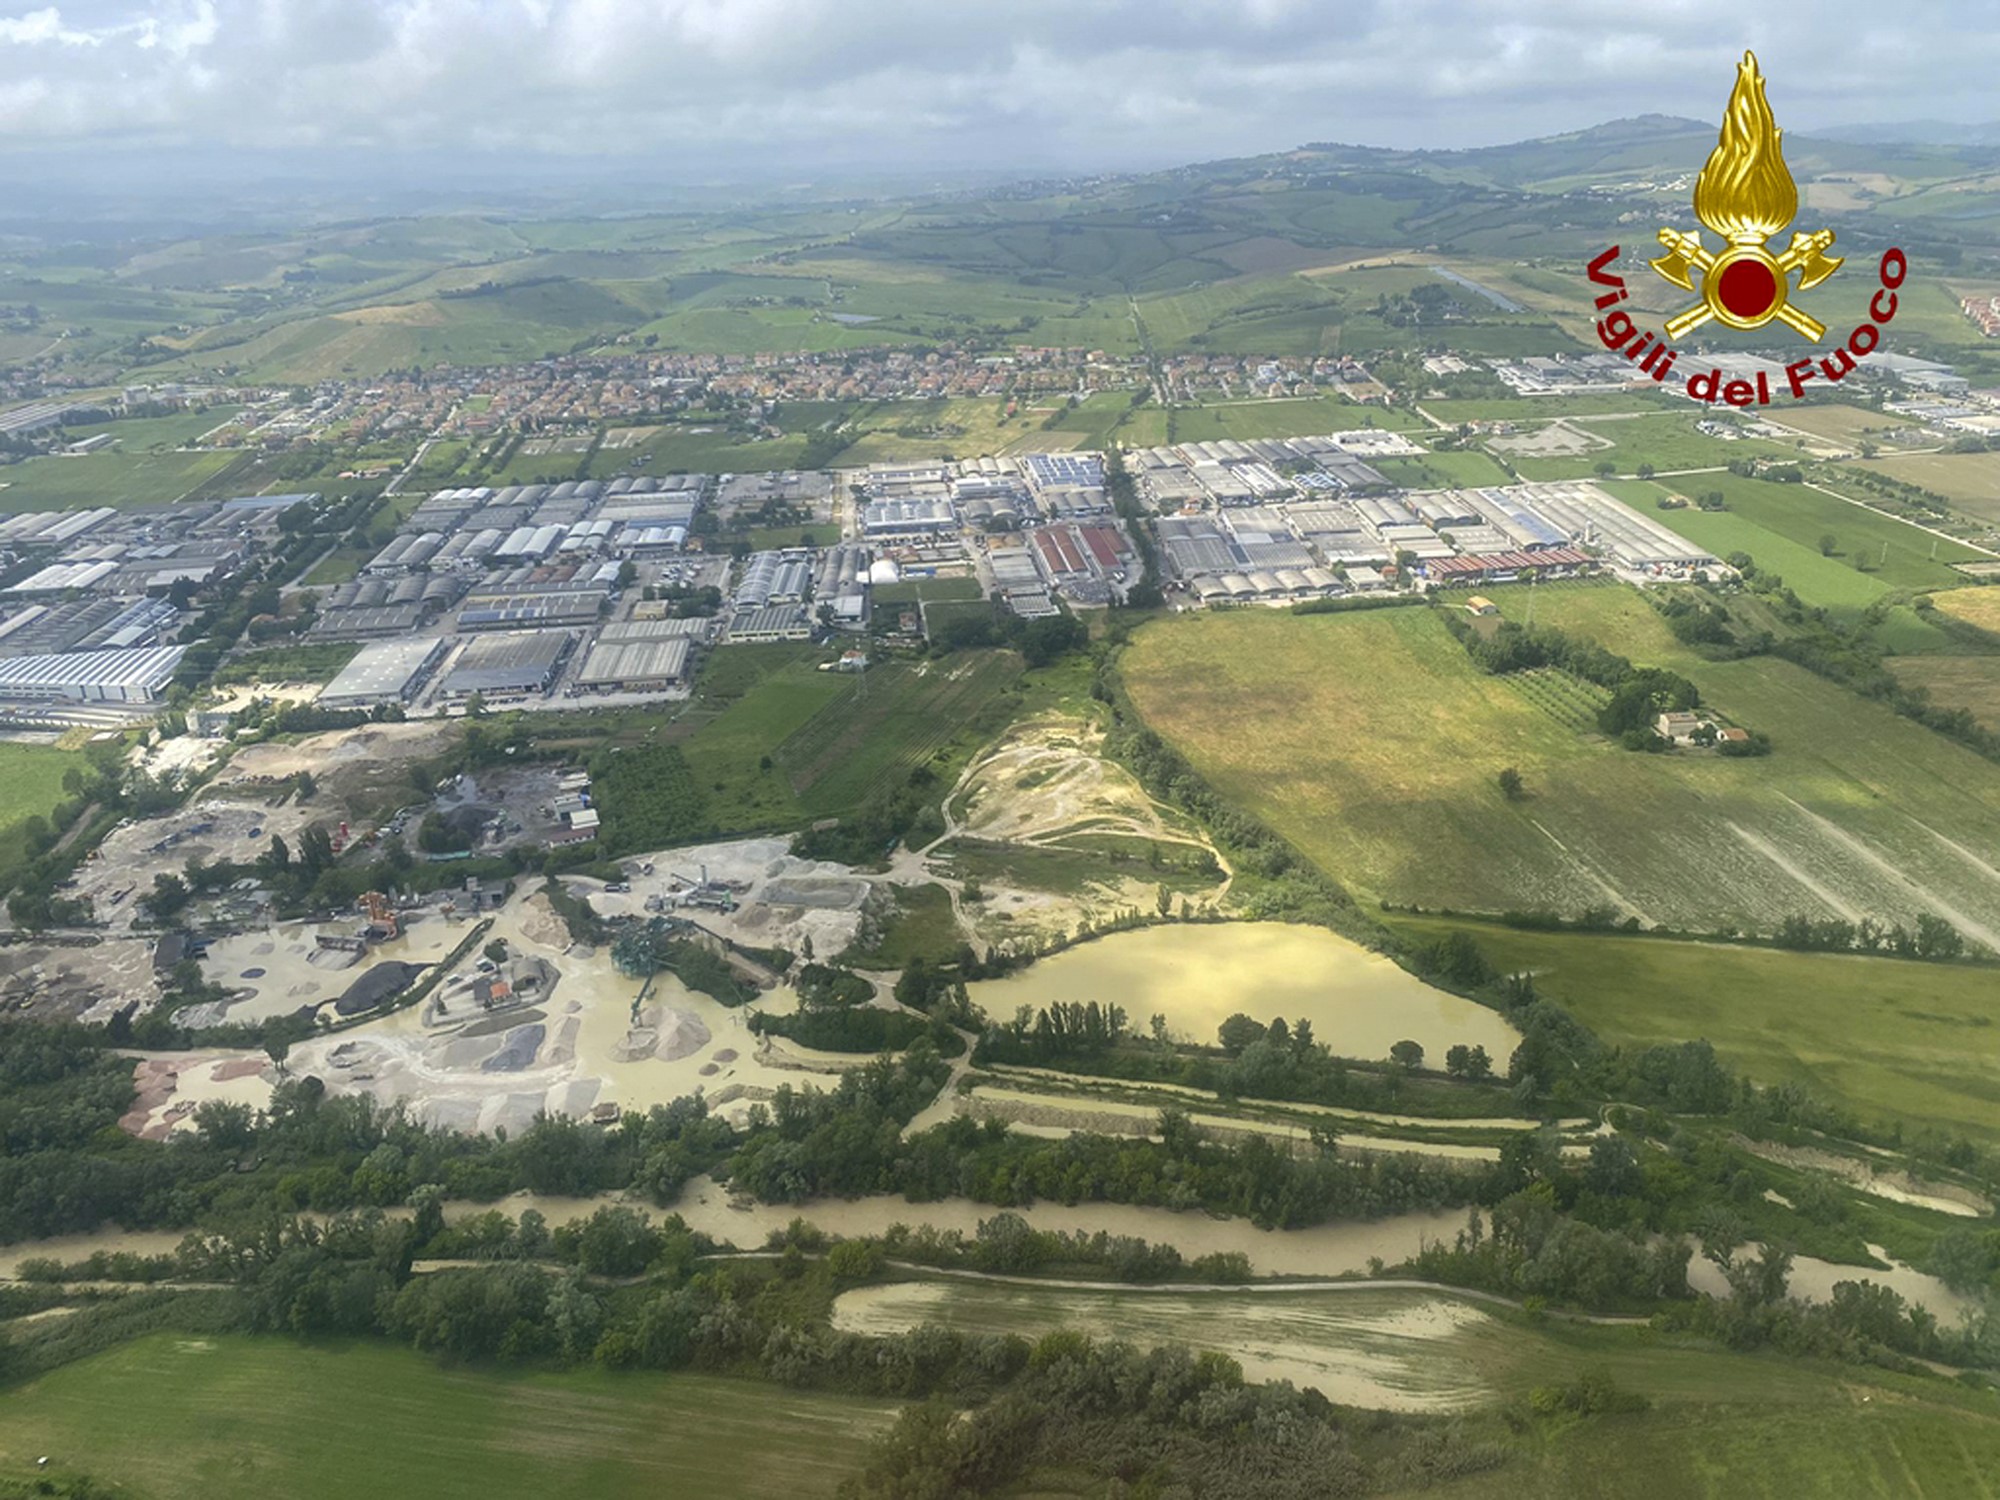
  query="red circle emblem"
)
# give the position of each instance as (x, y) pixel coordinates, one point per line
(1747, 288)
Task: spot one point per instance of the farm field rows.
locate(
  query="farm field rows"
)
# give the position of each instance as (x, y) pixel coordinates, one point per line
(1890, 1039)
(119, 479)
(236, 1418)
(1372, 742)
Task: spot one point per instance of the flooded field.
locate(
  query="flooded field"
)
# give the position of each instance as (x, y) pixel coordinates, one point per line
(1389, 1350)
(1198, 975)
(1328, 1250)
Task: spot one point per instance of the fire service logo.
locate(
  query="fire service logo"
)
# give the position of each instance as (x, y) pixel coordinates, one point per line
(1746, 195)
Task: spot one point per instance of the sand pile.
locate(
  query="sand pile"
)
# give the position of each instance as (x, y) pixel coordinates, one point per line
(681, 1035)
(541, 925)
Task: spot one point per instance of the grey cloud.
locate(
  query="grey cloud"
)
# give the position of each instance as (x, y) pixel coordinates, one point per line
(906, 83)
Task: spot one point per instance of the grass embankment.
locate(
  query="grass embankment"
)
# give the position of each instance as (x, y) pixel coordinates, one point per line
(220, 1418)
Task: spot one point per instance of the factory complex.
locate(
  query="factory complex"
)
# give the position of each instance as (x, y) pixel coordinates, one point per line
(611, 591)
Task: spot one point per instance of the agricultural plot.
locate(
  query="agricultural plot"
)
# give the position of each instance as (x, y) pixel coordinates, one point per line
(1373, 743)
(1300, 417)
(733, 755)
(1971, 481)
(890, 720)
(932, 429)
(923, 590)
(138, 433)
(1459, 469)
(1968, 682)
(118, 478)
(1568, 699)
(1666, 440)
(235, 1418)
(1843, 424)
(1977, 607)
(1889, 1039)
(1719, 1424)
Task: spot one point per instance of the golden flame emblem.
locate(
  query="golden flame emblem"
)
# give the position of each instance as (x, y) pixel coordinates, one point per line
(1746, 194)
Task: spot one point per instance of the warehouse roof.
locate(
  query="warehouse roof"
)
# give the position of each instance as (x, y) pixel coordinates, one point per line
(636, 661)
(383, 671)
(496, 663)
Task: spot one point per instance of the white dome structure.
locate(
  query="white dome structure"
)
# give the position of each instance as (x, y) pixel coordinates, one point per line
(884, 570)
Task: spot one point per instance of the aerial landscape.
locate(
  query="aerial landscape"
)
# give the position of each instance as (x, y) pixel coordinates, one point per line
(741, 759)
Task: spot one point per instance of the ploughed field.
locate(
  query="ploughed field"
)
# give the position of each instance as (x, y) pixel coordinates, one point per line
(1373, 743)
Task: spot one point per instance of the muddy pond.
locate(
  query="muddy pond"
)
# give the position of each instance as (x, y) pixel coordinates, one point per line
(1199, 974)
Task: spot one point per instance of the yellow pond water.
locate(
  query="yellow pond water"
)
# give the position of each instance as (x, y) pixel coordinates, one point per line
(1198, 975)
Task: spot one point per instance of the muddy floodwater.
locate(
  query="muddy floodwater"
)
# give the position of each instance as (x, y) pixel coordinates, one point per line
(1199, 974)
(1389, 1350)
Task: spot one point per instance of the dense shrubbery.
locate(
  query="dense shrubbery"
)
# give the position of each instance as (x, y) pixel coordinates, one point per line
(905, 813)
(862, 1028)
(648, 799)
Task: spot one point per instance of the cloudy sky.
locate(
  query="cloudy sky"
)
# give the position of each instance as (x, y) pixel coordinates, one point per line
(767, 87)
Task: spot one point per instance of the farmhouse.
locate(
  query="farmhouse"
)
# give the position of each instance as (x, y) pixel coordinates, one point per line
(1680, 727)
(1479, 604)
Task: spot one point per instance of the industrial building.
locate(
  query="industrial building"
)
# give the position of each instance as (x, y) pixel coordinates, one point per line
(636, 666)
(385, 672)
(136, 677)
(771, 622)
(518, 664)
(908, 520)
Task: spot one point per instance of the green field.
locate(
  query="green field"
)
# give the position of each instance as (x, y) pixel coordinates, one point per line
(1307, 416)
(33, 775)
(1889, 1039)
(1460, 468)
(137, 433)
(234, 1418)
(1845, 424)
(889, 721)
(118, 478)
(732, 755)
(919, 590)
(831, 738)
(1781, 525)
(1371, 741)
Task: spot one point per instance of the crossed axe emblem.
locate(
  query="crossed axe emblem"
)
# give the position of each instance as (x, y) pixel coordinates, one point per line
(1745, 286)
